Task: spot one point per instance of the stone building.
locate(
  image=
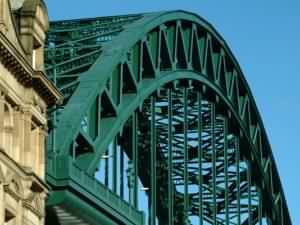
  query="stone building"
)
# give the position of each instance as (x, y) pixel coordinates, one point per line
(25, 94)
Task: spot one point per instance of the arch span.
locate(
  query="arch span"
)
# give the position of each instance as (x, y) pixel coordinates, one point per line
(122, 76)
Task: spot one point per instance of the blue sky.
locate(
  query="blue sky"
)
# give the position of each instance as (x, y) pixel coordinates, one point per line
(264, 36)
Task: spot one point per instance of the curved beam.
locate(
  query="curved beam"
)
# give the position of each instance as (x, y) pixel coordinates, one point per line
(113, 53)
(218, 69)
(132, 102)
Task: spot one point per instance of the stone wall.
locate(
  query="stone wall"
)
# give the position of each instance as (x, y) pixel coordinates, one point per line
(25, 94)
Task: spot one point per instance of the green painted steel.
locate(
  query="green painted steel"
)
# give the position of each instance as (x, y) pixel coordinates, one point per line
(158, 126)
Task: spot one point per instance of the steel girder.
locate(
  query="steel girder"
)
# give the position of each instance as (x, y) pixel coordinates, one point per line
(121, 76)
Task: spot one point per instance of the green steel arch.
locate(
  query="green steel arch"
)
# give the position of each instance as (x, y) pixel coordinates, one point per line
(156, 101)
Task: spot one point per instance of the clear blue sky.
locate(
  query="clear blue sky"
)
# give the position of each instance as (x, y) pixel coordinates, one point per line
(264, 35)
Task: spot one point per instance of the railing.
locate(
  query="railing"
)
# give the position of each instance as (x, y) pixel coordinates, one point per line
(105, 195)
(99, 191)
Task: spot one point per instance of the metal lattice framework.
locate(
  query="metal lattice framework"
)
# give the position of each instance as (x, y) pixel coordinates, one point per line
(158, 126)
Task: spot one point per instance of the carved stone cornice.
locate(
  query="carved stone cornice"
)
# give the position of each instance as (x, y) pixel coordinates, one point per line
(23, 185)
(24, 173)
(12, 192)
(34, 204)
(25, 74)
(32, 208)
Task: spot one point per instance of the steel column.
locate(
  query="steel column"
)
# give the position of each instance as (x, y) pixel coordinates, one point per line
(214, 154)
(170, 157)
(186, 155)
(249, 193)
(200, 156)
(237, 153)
(226, 171)
(121, 171)
(153, 162)
(135, 158)
(260, 203)
(106, 176)
(114, 172)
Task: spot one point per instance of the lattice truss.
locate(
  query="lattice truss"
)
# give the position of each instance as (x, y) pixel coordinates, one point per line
(73, 46)
(158, 115)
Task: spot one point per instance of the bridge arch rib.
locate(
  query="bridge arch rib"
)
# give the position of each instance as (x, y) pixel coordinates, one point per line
(149, 60)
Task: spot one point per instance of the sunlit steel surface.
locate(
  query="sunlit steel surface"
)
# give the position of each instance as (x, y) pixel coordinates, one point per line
(158, 126)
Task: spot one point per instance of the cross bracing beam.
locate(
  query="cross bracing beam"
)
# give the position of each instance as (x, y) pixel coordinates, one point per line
(220, 169)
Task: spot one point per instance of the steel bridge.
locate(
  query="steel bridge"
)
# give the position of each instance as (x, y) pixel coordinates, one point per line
(158, 126)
